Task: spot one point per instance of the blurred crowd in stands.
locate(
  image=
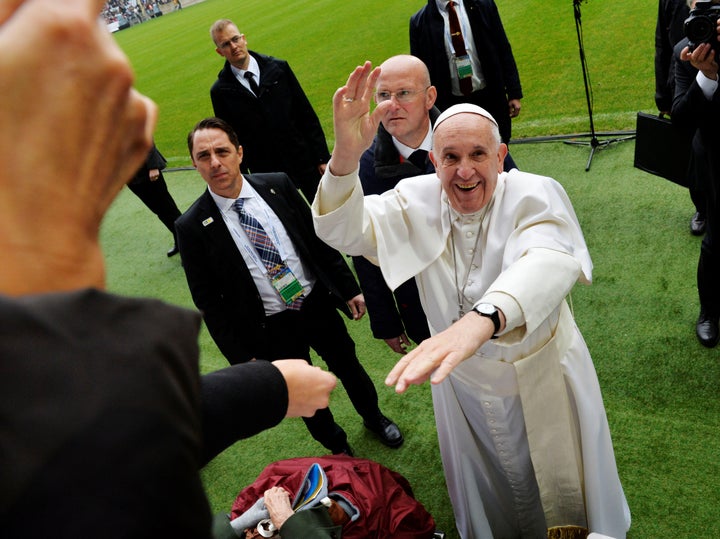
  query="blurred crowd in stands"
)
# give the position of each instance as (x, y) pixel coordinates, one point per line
(121, 14)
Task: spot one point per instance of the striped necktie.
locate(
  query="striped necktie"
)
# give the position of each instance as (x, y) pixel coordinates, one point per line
(259, 238)
(263, 245)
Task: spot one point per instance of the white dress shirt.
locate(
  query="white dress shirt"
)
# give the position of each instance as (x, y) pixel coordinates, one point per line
(406, 151)
(708, 86)
(253, 68)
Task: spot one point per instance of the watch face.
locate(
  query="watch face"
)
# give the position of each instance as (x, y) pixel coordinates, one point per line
(486, 308)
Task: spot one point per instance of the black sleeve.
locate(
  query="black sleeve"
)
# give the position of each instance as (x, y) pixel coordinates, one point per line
(307, 121)
(513, 88)
(690, 107)
(155, 159)
(238, 402)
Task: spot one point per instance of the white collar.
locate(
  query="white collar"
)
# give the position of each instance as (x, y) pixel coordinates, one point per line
(406, 151)
(253, 68)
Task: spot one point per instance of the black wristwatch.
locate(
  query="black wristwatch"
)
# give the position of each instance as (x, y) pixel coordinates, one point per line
(489, 310)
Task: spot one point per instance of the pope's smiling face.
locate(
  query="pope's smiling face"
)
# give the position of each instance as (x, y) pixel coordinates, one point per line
(468, 156)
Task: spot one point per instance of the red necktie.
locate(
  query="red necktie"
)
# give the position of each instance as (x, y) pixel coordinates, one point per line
(459, 45)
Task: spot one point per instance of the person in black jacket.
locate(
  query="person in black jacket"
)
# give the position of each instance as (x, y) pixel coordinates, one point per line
(149, 185)
(253, 311)
(489, 61)
(697, 106)
(400, 150)
(669, 31)
(105, 419)
(270, 113)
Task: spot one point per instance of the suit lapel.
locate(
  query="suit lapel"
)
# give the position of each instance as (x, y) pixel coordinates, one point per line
(216, 232)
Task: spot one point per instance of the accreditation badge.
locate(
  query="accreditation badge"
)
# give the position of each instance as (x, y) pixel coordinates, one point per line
(463, 66)
(284, 281)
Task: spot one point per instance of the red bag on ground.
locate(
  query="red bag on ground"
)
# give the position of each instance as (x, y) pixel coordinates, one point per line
(383, 497)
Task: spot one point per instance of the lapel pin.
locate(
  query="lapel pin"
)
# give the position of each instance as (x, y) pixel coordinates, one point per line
(207, 221)
(273, 191)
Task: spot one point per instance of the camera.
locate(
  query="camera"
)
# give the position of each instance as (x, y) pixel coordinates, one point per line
(701, 25)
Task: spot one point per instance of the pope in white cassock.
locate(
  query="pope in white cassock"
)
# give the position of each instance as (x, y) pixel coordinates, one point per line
(522, 428)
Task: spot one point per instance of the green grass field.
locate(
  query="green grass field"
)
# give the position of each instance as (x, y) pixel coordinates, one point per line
(660, 386)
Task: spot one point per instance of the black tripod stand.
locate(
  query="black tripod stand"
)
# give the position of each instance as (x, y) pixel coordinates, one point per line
(594, 142)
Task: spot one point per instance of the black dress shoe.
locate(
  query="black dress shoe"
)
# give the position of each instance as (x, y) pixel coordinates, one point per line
(707, 330)
(344, 450)
(388, 432)
(173, 251)
(697, 224)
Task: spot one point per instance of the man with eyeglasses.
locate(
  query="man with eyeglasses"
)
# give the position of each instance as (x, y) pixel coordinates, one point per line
(475, 64)
(399, 150)
(260, 97)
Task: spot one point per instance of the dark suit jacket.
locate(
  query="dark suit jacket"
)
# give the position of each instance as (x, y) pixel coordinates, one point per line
(427, 38)
(668, 32)
(220, 282)
(693, 111)
(278, 130)
(154, 160)
(106, 422)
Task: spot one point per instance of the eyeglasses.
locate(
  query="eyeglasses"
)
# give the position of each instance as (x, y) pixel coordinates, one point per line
(402, 96)
(232, 41)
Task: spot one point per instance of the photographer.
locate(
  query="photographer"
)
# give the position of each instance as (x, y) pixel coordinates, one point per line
(696, 105)
(670, 30)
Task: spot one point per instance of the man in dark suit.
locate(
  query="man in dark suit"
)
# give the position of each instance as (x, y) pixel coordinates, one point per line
(669, 31)
(279, 310)
(399, 150)
(260, 97)
(149, 185)
(697, 106)
(484, 62)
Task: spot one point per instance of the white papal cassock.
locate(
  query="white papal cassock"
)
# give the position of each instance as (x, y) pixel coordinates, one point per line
(522, 428)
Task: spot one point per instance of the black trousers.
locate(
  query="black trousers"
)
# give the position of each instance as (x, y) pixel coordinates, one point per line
(708, 273)
(157, 198)
(318, 325)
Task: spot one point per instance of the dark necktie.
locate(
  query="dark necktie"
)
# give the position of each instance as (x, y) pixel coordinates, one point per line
(250, 77)
(458, 42)
(419, 159)
(263, 245)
